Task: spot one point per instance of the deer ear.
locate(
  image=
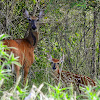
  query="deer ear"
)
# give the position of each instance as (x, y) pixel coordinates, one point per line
(26, 14)
(41, 14)
(49, 57)
(62, 59)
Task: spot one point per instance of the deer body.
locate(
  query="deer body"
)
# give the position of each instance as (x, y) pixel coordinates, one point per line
(67, 77)
(24, 48)
(79, 80)
(25, 52)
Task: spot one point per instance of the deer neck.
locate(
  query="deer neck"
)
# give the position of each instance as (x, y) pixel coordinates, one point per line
(57, 70)
(33, 37)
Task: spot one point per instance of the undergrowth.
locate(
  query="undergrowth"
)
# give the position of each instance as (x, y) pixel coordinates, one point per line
(16, 92)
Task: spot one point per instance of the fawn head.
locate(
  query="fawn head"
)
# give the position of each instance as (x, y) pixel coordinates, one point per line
(54, 62)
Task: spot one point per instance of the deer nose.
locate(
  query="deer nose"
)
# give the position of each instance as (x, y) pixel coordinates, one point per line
(33, 27)
(54, 67)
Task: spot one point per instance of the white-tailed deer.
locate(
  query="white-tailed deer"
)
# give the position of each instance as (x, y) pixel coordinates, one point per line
(25, 47)
(67, 77)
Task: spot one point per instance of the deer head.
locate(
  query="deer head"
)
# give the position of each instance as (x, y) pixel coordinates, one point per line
(32, 19)
(55, 62)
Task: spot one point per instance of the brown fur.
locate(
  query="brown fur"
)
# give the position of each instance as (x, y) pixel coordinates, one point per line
(79, 80)
(24, 50)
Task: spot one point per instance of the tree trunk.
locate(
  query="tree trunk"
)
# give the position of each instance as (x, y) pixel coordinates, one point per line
(93, 46)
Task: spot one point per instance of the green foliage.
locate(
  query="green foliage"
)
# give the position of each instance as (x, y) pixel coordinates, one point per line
(92, 93)
(22, 92)
(34, 1)
(54, 93)
(7, 59)
(64, 30)
(82, 4)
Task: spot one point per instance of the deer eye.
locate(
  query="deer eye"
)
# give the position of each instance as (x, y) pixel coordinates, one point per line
(29, 19)
(51, 62)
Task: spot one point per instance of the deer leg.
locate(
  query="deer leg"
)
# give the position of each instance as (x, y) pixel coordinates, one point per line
(26, 70)
(17, 69)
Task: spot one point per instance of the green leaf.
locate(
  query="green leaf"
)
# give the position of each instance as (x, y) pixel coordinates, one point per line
(19, 89)
(2, 36)
(34, 1)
